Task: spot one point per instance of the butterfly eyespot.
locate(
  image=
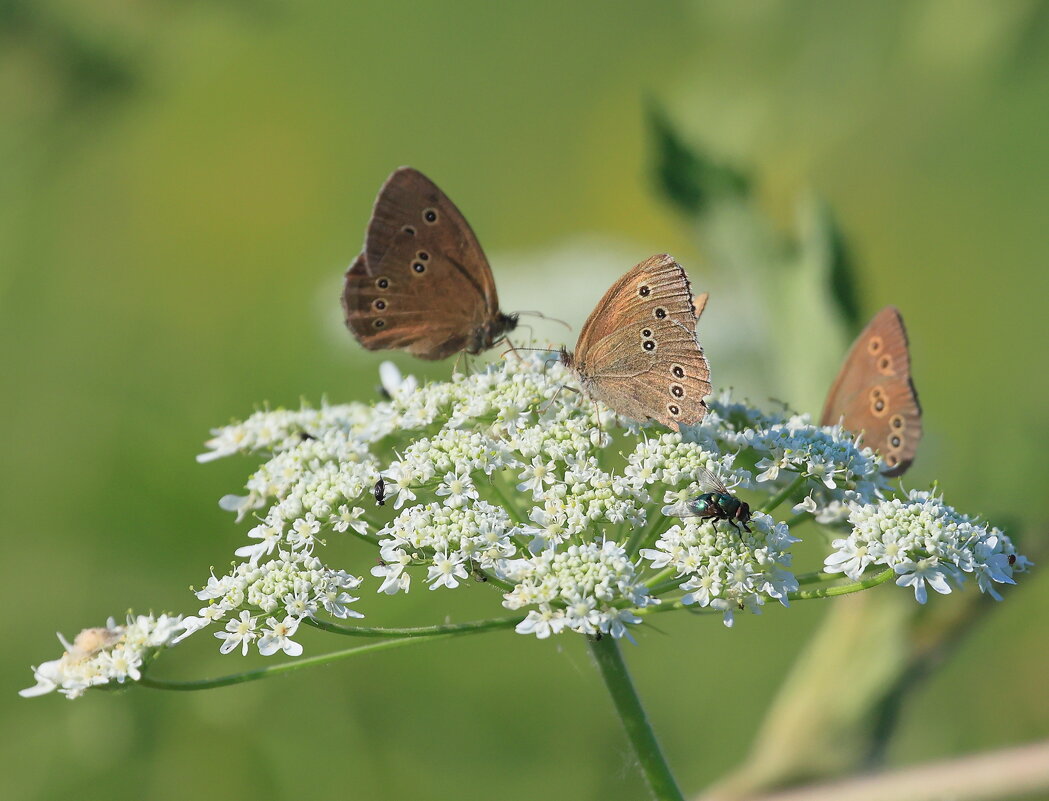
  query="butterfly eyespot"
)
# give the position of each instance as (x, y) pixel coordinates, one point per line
(422, 255)
(678, 371)
(646, 332)
(644, 291)
(660, 313)
(895, 441)
(649, 344)
(878, 406)
(408, 229)
(677, 390)
(383, 283)
(430, 215)
(419, 267)
(885, 364)
(896, 422)
(379, 304)
(874, 345)
(380, 323)
(891, 460)
(674, 409)
(877, 392)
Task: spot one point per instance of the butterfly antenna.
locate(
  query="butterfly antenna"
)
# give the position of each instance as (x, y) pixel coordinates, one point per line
(545, 317)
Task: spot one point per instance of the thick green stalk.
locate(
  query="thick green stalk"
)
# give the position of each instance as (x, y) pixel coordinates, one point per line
(653, 764)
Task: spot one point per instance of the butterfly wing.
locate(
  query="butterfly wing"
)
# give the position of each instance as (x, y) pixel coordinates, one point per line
(874, 394)
(432, 313)
(638, 353)
(422, 283)
(410, 203)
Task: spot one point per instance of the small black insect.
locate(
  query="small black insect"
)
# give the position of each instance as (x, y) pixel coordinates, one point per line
(380, 492)
(717, 503)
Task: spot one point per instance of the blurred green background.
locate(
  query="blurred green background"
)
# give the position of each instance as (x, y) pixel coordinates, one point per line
(181, 187)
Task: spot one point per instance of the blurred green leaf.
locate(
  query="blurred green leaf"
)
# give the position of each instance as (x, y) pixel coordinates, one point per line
(689, 177)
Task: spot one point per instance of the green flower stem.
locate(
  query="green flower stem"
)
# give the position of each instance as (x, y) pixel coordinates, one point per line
(667, 586)
(661, 783)
(787, 491)
(843, 589)
(642, 534)
(369, 538)
(511, 506)
(418, 631)
(285, 667)
(801, 595)
(817, 576)
(661, 576)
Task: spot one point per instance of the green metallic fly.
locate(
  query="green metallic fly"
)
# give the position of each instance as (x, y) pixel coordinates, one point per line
(715, 503)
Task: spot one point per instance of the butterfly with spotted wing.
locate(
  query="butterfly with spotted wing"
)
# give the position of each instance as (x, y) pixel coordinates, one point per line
(874, 395)
(637, 352)
(422, 283)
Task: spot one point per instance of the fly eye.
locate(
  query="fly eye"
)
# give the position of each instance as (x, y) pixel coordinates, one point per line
(674, 409)
(678, 371)
(383, 283)
(408, 229)
(649, 344)
(644, 291)
(430, 215)
(422, 255)
(677, 390)
(379, 304)
(660, 313)
(874, 345)
(646, 332)
(380, 323)
(419, 267)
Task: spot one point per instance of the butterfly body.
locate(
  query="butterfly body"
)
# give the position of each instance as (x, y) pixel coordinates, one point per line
(637, 353)
(422, 283)
(874, 395)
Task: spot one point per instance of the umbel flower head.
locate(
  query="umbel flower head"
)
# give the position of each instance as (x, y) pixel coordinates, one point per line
(503, 482)
(106, 655)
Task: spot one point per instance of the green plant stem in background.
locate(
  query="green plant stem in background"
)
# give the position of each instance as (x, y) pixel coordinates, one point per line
(843, 589)
(784, 494)
(286, 667)
(661, 782)
(471, 627)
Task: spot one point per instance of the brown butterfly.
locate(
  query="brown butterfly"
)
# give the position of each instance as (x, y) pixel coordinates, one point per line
(422, 283)
(874, 394)
(637, 352)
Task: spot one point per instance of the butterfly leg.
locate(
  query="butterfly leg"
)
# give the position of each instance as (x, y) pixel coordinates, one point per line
(510, 348)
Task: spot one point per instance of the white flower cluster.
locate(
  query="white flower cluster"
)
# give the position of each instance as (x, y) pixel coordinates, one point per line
(294, 586)
(450, 539)
(926, 542)
(590, 589)
(110, 655)
(724, 569)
